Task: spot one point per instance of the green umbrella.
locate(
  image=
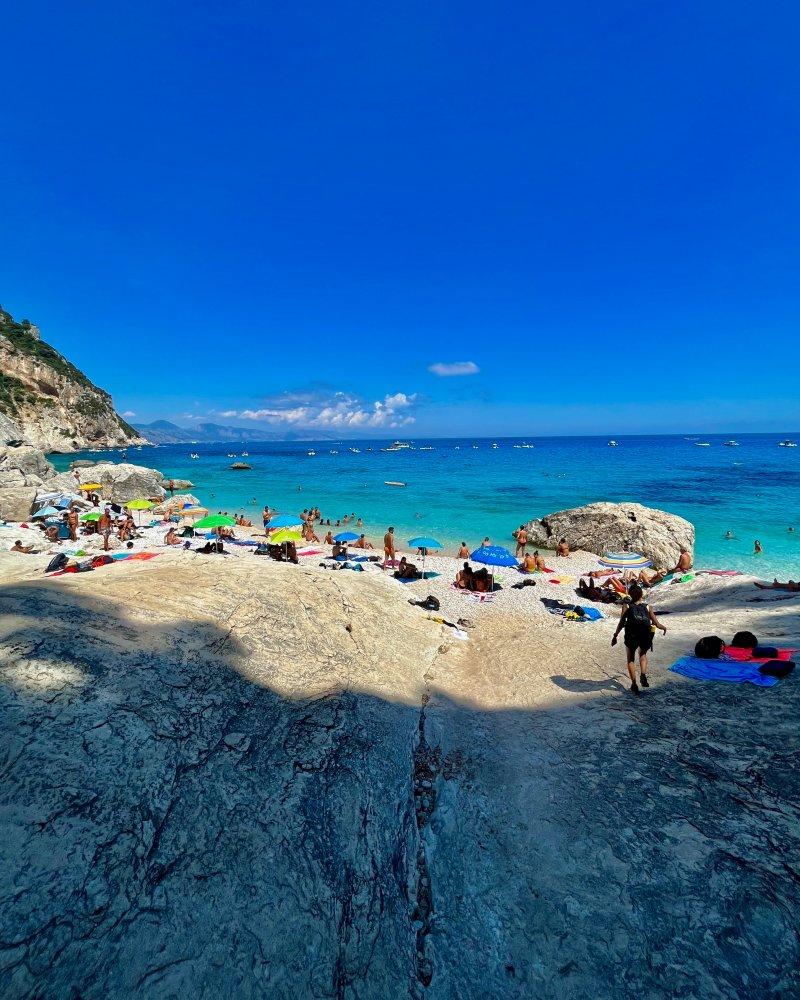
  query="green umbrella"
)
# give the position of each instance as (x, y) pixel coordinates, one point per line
(140, 504)
(215, 521)
(91, 516)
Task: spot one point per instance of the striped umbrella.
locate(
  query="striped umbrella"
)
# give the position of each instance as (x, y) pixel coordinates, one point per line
(625, 560)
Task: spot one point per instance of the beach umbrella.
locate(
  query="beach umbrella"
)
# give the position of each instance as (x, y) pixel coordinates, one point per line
(285, 535)
(193, 511)
(625, 560)
(494, 555)
(90, 487)
(284, 521)
(140, 504)
(215, 521)
(346, 536)
(93, 515)
(46, 512)
(424, 542)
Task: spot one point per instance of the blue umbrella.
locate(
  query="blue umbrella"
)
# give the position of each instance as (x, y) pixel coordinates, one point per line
(46, 512)
(494, 555)
(284, 521)
(424, 543)
(346, 536)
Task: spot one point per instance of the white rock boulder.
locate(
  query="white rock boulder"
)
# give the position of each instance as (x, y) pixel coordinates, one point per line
(614, 527)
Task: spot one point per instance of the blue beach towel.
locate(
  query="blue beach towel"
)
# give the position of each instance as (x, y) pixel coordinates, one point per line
(722, 670)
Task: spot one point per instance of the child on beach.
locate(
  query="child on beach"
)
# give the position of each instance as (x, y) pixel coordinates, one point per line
(640, 623)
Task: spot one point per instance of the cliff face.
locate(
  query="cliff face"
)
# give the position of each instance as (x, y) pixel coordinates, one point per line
(54, 405)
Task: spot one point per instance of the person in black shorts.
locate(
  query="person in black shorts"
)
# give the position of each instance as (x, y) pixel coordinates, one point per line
(640, 624)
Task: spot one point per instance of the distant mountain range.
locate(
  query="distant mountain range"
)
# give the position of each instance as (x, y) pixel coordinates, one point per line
(165, 432)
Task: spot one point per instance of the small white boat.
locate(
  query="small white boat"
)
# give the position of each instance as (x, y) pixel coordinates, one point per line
(311, 453)
(457, 447)
(426, 448)
(356, 451)
(245, 454)
(495, 444)
(194, 455)
(613, 444)
(335, 452)
(787, 444)
(475, 447)
(391, 482)
(702, 444)
(731, 444)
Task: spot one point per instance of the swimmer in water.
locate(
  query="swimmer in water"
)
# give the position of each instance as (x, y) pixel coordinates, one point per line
(757, 548)
(729, 534)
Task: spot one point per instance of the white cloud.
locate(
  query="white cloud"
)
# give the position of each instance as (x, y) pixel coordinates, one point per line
(451, 368)
(339, 411)
(129, 413)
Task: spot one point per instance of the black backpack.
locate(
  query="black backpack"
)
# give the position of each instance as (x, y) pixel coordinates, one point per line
(709, 647)
(637, 619)
(744, 640)
(57, 562)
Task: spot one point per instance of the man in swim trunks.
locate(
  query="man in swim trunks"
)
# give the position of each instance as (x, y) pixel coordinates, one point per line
(388, 547)
(463, 552)
(72, 524)
(684, 562)
(521, 536)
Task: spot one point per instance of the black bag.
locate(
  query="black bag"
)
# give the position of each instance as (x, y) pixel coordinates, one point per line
(777, 668)
(709, 647)
(765, 652)
(744, 640)
(431, 603)
(57, 562)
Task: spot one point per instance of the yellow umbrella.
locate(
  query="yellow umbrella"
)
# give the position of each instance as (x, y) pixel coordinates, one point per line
(90, 486)
(285, 535)
(192, 511)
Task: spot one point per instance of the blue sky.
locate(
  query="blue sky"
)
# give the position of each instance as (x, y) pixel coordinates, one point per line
(297, 212)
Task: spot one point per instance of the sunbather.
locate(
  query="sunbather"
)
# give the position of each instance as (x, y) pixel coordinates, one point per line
(562, 549)
(464, 577)
(172, 538)
(790, 585)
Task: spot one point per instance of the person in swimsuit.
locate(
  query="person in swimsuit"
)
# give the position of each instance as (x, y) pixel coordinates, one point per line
(521, 536)
(684, 564)
(172, 538)
(539, 561)
(362, 543)
(757, 548)
(464, 577)
(72, 524)
(328, 540)
(562, 549)
(529, 563)
(463, 552)
(790, 585)
(388, 547)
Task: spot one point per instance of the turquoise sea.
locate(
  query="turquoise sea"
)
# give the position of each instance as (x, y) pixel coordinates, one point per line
(466, 489)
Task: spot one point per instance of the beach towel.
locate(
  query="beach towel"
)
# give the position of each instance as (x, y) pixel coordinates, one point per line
(426, 576)
(759, 654)
(572, 612)
(562, 579)
(721, 670)
(720, 572)
(309, 552)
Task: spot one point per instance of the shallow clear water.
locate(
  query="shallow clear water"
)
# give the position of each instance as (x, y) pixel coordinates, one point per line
(462, 492)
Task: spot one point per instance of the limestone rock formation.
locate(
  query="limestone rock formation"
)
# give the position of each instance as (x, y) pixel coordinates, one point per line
(612, 527)
(22, 471)
(121, 481)
(54, 405)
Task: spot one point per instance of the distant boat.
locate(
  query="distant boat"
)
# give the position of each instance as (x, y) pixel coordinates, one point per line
(335, 452)
(426, 448)
(391, 482)
(356, 451)
(475, 447)
(194, 455)
(702, 444)
(245, 454)
(457, 447)
(787, 444)
(495, 444)
(311, 453)
(239, 466)
(731, 444)
(613, 444)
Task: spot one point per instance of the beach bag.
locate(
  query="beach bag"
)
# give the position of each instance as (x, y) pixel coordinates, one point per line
(57, 562)
(744, 640)
(709, 647)
(637, 623)
(430, 603)
(777, 668)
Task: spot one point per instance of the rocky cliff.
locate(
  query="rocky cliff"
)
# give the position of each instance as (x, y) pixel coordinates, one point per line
(50, 403)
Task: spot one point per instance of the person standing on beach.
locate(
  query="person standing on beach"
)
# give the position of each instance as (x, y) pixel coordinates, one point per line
(640, 623)
(265, 515)
(72, 524)
(521, 536)
(388, 547)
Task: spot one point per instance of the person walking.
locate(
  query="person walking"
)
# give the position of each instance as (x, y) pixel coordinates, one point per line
(640, 623)
(521, 536)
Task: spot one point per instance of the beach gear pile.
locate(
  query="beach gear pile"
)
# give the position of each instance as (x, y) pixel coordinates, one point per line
(745, 660)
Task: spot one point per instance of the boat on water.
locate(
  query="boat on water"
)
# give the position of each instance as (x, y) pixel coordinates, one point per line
(392, 482)
(702, 444)
(731, 444)
(334, 451)
(457, 447)
(356, 451)
(613, 444)
(245, 454)
(311, 453)
(787, 444)
(495, 444)
(426, 448)
(194, 455)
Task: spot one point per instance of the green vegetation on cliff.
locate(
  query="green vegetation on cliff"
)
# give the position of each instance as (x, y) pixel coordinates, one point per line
(26, 342)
